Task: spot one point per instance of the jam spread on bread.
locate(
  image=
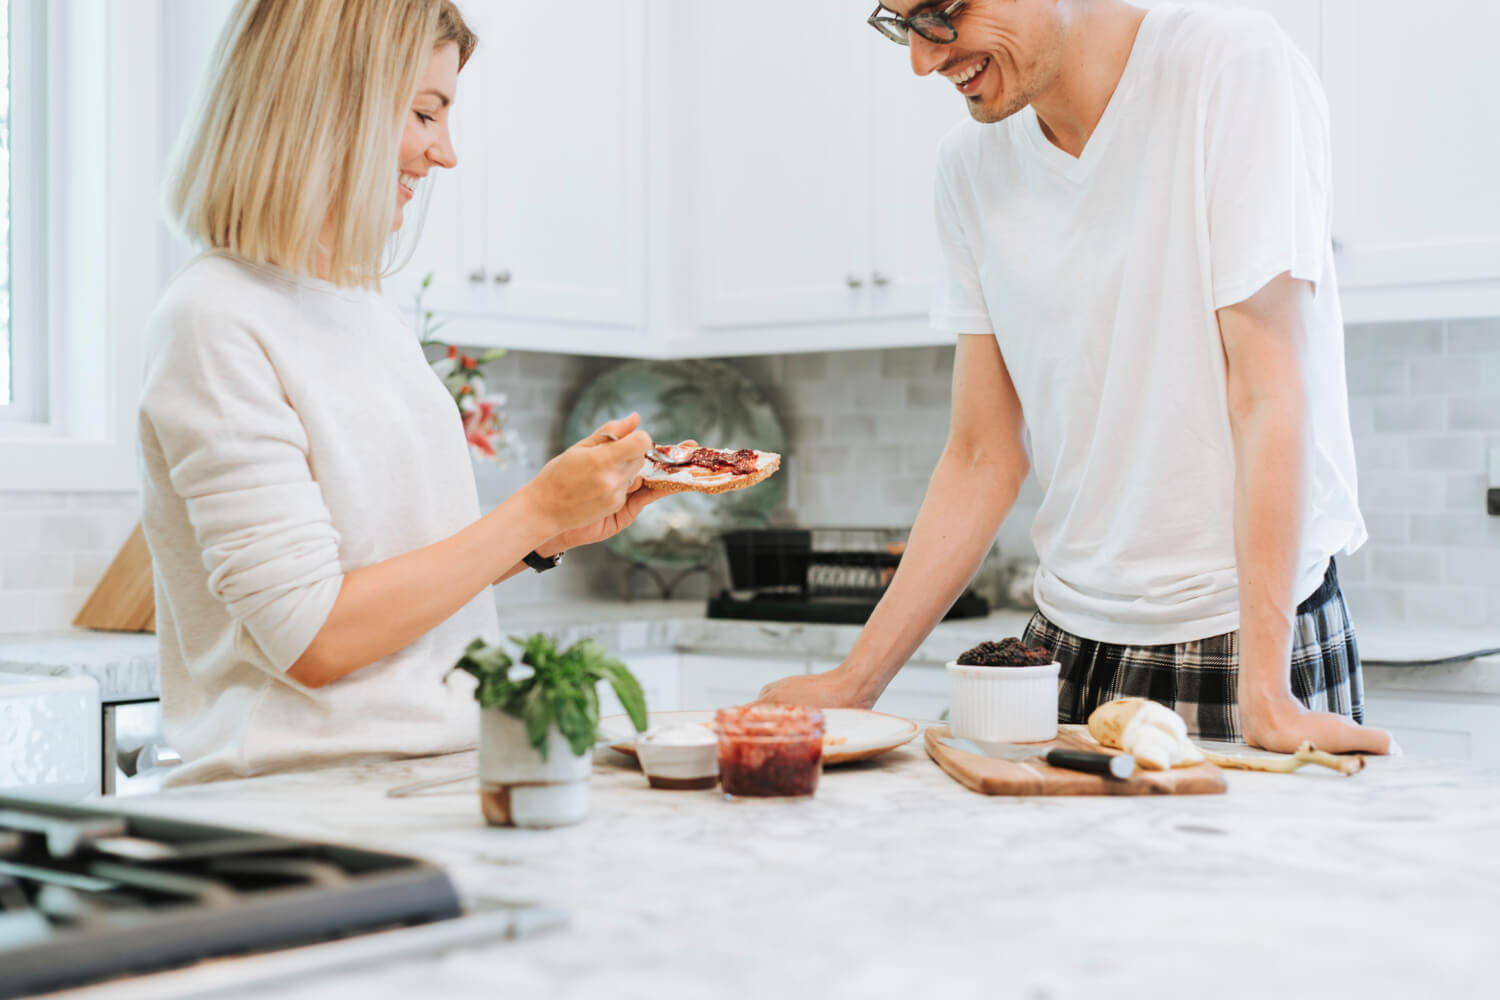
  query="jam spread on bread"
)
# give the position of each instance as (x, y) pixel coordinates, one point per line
(741, 463)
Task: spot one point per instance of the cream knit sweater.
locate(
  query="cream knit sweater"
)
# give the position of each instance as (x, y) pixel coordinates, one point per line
(291, 431)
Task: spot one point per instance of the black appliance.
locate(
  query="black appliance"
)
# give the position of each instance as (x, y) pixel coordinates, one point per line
(88, 894)
(829, 575)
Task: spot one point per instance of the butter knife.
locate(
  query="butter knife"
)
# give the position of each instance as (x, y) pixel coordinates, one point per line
(1108, 765)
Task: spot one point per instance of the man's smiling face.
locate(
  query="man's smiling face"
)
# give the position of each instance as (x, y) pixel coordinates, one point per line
(1006, 53)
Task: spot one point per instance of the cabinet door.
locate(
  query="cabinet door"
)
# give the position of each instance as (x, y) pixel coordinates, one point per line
(775, 105)
(721, 681)
(1416, 133)
(916, 692)
(658, 674)
(446, 222)
(1438, 726)
(564, 148)
(911, 116)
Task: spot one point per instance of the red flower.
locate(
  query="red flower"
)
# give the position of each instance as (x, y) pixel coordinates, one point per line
(482, 428)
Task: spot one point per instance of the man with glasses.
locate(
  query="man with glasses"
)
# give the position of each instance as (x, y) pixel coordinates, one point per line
(1140, 278)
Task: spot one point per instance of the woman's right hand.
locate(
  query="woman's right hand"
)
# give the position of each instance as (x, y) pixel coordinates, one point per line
(592, 479)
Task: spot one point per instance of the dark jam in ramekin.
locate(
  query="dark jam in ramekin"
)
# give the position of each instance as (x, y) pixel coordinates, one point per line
(769, 751)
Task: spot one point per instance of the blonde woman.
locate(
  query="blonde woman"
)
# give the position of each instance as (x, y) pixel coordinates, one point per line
(309, 502)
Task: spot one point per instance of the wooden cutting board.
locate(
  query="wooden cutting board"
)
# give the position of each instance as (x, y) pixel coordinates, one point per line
(123, 600)
(991, 776)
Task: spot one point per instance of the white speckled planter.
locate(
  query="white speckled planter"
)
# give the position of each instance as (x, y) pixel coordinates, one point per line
(49, 736)
(517, 787)
(1003, 704)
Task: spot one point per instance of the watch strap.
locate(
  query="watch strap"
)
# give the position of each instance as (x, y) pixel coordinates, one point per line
(541, 563)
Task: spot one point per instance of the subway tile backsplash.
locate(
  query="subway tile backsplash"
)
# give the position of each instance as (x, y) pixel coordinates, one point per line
(865, 428)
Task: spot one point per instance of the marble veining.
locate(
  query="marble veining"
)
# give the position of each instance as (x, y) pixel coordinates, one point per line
(123, 664)
(896, 881)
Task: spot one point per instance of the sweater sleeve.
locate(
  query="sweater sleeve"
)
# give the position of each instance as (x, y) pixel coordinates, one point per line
(236, 453)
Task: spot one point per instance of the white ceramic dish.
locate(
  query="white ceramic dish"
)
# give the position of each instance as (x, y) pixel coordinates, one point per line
(679, 756)
(851, 734)
(1003, 704)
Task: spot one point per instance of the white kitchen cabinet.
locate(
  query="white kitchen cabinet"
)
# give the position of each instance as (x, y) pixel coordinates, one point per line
(538, 238)
(1439, 726)
(813, 222)
(1414, 94)
(779, 170)
(916, 692)
(659, 674)
(911, 117)
(688, 192)
(720, 681)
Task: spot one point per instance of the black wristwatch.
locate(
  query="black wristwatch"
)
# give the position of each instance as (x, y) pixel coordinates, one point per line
(540, 563)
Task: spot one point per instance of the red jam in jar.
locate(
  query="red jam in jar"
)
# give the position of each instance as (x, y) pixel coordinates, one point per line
(768, 751)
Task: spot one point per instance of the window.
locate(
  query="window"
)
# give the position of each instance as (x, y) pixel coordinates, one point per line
(83, 144)
(7, 394)
(21, 86)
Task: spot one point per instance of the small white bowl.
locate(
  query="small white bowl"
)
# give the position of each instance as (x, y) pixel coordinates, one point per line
(680, 758)
(1003, 704)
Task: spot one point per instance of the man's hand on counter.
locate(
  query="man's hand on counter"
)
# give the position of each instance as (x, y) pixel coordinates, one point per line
(1282, 723)
(838, 688)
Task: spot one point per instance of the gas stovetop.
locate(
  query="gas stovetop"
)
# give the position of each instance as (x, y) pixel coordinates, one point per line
(88, 894)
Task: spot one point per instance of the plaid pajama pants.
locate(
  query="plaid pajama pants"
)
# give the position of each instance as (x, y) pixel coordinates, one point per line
(1198, 678)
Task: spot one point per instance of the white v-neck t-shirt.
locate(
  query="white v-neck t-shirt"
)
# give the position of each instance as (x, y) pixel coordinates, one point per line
(1207, 176)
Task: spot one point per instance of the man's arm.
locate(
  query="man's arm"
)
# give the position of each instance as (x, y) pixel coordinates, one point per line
(1265, 346)
(971, 490)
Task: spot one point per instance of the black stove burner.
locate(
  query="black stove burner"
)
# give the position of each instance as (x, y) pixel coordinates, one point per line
(829, 575)
(88, 894)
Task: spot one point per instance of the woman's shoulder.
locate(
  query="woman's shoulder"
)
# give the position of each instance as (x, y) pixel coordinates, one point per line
(215, 313)
(216, 289)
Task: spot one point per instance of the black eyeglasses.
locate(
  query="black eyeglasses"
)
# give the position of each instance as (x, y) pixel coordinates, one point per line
(934, 25)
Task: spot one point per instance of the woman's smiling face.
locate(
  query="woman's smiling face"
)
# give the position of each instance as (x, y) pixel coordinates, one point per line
(425, 142)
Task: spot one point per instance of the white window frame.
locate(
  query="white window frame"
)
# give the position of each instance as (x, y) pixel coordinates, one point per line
(27, 182)
(103, 246)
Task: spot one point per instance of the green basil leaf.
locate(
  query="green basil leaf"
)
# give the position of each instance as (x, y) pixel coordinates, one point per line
(538, 716)
(628, 690)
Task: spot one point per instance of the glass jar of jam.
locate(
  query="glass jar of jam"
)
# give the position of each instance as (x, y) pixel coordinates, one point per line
(769, 751)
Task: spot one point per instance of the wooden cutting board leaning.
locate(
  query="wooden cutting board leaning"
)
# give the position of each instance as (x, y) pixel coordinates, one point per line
(992, 776)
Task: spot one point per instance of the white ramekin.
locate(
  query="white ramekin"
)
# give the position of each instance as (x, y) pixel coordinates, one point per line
(1003, 704)
(670, 761)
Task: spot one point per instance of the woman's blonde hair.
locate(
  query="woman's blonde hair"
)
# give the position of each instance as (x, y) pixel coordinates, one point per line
(300, 121)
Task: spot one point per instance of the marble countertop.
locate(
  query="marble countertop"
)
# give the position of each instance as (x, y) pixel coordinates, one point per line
(897, 881)
(125, 664)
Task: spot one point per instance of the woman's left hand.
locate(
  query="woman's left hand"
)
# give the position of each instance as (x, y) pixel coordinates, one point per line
(636, 501)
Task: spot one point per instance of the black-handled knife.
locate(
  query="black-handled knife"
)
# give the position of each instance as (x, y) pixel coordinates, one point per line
(1106, 764)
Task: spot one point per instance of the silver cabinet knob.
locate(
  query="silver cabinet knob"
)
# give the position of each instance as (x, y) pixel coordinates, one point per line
(502, 276)
(881, 279)
(1338, 245)
(476, 276)
(855, 281)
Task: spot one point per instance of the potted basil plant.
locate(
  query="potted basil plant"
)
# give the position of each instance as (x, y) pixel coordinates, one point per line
(537, 725)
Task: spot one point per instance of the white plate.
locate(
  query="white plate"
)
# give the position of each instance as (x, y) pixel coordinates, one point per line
(850, 733)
